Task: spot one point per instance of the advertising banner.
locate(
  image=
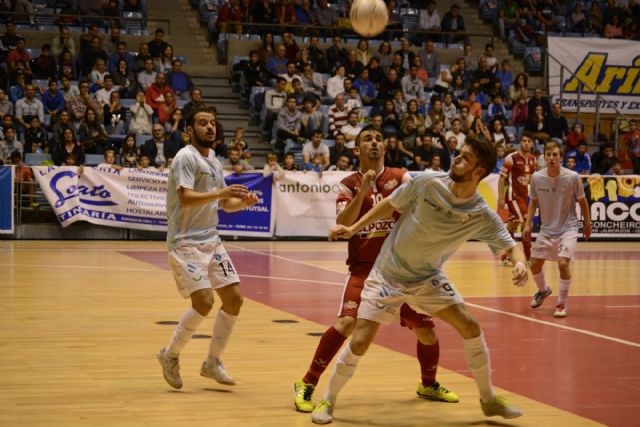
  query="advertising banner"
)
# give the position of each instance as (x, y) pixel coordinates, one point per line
(614, 205)
(306, 203)
(6, 199)
(256, 221)
(610, 67)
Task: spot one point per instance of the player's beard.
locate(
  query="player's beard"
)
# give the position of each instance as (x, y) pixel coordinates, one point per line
(204, 142)
(459, 177)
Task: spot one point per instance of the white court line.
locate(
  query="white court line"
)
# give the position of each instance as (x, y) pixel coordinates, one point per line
(622, 306)
(290, 279)
(84, 267)
(507, 313)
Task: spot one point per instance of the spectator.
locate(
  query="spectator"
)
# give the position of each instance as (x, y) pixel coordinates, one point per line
(18, 54)
(558, 126)
(520, 114)
(448, 154)
(155, 94)
(483, 75)
(389, 87)
(28, 107)
(577, 19)
(575, 135)
(147, 76)
(97, 74)
(363, 54)
(537, 123)
(339, 149)
(412, 87)
(240, 143)
(44, 66)
(289, 76)
(91, 55)
(632, 144)
(539, 100)
(285, 13)
(93, 135)
(129, 152)
(140, 59)
(195, 103)
(613, 30)
(179, 81)
(66, 66)
(449, 109)
(104, 95)
(291, 47)
(466, 119)
(325, 16)
(582, 159)
(602, 160)
(315, 146)
(53, 100)
(274, 101)
(159, 148)
(351, 129)
(498, 134)
(480, 130)
(429, 59)
(277, 64)
(352, 67)
(24, 178)
(9, 144)
(157, 45)
(141, 116)
(254, 72)
(311, 81)
(453, 22)
(316, 55)
(470, 60)
(336, 54)
(235, 163)
(132, 6)
(229, 12)
(110, 44)
(317, 164)
(114, 115)
(63, 41)
(301, 96)
(390, 118)
(423, 153)
(519, 89)
(124, 80)
(6, 106)
(429, 19)
(436, 163)
(422, 73)
(596, 19)
(496, 109)
(504, 75)
(163, 63)
(167, 107)
(68, 147)
(9, 39)
(288, 122)
(64, 122)
(385, 55)
(311, 119)
(120, 54)
(393, 156)
(338, 114)
(68, 90)
(501, 152)
(335, 84)
(268, 48)
(456, 132)
(445, 79)
(343, 164)
(289, 163)
(272, 168)
(144, 162)
(616, 167)
(176, 125)
(109, 161)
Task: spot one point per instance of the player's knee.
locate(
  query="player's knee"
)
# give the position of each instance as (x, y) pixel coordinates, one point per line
(203, 304)
(564, 263)
(345, 325)
(233, 304)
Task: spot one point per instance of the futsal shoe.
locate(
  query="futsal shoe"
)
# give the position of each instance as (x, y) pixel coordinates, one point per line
(302, 393)
(170, 369)
(539, 298)
(436, 392)
(323, 413)
(561, 311)
(217, 372)
(499, 406)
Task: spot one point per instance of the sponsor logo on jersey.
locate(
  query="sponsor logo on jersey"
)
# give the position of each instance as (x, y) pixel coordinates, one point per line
(378, 228)
(350, 305)
(391, 184)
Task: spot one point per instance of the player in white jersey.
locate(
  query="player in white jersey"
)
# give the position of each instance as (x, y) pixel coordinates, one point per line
(556, 190)
(198, 260)
(440, 212)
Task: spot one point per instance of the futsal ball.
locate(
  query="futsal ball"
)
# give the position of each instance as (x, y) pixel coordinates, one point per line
(369, 17)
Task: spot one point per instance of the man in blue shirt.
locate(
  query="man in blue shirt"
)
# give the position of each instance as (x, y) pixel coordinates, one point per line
(366, 89)
(121, 53)
(53, 100)
(180, 82)
(583, 161)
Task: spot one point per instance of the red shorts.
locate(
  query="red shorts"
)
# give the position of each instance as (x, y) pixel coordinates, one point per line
(518, 209)
(351, 301)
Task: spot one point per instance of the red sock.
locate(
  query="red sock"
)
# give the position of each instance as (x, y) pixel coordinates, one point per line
(328, 346)
(428, 356)
(526, 245)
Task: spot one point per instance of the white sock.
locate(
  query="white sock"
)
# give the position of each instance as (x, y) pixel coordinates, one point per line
(222, 329)
(345, 367)
(540, 283)
(190, 321)
(477, 354)
(564, 291)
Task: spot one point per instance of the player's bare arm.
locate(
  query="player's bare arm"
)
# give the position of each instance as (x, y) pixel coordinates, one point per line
(350, 213)
(528, 225)
(236, 204)
(519, 272)
(501, 197)
(382, 210)
(189, 198)
(586, 216)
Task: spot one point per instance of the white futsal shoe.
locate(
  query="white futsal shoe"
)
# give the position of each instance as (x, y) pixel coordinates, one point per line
(323, 413)
(170, 369)
(217, 372)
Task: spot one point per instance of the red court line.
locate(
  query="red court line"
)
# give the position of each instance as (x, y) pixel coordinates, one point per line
(588, 376)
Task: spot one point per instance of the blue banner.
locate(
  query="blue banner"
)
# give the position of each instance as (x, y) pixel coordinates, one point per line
(256, 220)
(6, 199)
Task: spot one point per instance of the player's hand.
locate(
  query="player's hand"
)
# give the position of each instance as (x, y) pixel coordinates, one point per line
(340, 232)
(251, 199)
(367, 181)
(234, 190)
(526, 234)
(520, 275)
(586, 230)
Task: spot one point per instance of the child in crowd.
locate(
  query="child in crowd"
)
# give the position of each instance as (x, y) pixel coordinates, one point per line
(129, 152)
(501, 153)
(272, 167)
(24, 178)
(238, 142)
(144, 162)
(110, 160)
(504, 74)
(289, 162)
(316, 164)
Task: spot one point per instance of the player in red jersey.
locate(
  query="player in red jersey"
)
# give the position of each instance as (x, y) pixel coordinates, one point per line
(358, 194)
(517, 168)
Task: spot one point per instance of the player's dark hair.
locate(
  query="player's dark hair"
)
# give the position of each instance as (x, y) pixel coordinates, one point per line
(367, 128)
(191, 118)
(485, 152)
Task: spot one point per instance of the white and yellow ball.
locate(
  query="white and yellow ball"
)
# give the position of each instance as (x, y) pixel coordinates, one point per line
(369, 17)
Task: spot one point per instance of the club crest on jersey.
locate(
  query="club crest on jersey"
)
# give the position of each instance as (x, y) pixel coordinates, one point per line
(464, 218)
(390, 185)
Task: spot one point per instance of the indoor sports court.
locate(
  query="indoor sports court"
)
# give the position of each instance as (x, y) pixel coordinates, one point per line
(82, 322)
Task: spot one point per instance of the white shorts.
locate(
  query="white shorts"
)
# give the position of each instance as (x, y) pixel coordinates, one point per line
(550, 248)
(203, 266)
(382, 297)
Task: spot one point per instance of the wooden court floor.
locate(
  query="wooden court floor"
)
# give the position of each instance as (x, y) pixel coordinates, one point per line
(82, 321)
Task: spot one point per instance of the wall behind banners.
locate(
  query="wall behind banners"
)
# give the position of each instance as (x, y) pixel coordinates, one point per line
(611, 67)
(6, 199)
(298, 205)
